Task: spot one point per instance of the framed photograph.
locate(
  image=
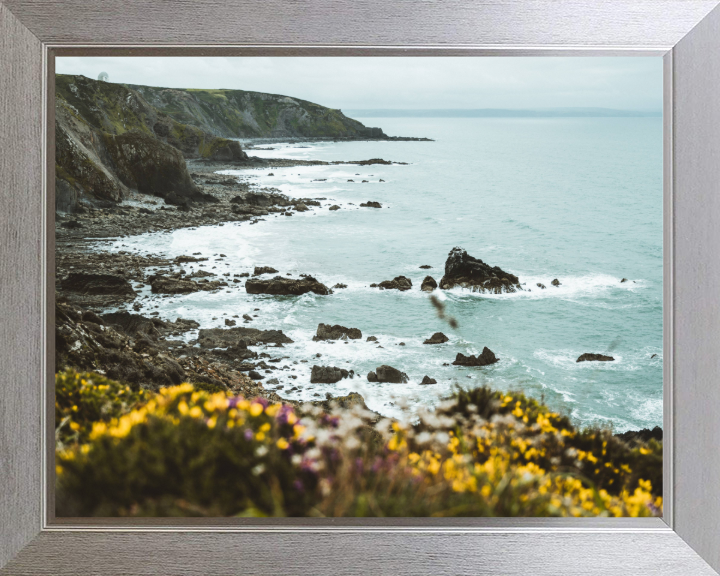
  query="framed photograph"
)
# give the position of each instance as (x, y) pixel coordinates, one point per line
(431, 293)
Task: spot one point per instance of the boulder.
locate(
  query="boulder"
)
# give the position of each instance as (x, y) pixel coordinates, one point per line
(463, 270)
(555, 282)
(427, 380)
(425, 267)
(625, 280)
(428, 284)
(339, 286)
(165, 285)
(486, 358)
(541, 286)
(97, 284)
(336, 332)
(334, 207)
(590, 357)
(401, 283)
(371, 204)
(225, 337)
(437, 338)
(301, 207)
(229, 322)
(133, 324)
(286, 286)
(389, 374)
(372, 339)
(259, 270)
(351, 400)
(327, 374)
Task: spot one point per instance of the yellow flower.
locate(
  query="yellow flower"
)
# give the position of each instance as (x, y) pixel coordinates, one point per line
(282, 444)
(256, 409)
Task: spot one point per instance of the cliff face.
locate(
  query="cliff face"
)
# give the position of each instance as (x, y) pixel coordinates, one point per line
(242, 114)
(109, 140)
(112, 138)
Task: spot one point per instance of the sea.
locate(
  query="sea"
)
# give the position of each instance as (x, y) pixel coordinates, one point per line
(577, 199)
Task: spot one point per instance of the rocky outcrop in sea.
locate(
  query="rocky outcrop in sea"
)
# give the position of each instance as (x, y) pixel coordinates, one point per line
(465, 271)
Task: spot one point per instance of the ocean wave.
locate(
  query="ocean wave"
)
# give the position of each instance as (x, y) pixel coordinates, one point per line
(588, 286)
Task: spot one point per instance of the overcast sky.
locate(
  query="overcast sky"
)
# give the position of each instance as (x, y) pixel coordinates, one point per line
(630, 83)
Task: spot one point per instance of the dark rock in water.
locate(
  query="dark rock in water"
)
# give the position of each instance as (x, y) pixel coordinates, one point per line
(264, 270)
(372, 377)
(428, 284)
(165, 285)
(184, 259)
(334, 207)
(555, 282)
(623, 280)
(371, 204)
(72, 224)
(463, 270)
(97, 284)
(247, 317)
(286, 286)
(391, 375)
(340, 286)
(653, 356)
(425, 267)
(486, 358)
(327, 374)
(351, 180)
(336, 332)
(224, 337)
(636, 437)
(229, 322)
(372, 339)
(301, 207)
(437, 338)
(589, 357)
(428, 380)
(255, 375)
(373, 285)
(541, 286)
(271, 174)
(401, 283)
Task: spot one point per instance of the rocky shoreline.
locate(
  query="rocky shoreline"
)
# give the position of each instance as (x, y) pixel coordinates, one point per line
(98, 294)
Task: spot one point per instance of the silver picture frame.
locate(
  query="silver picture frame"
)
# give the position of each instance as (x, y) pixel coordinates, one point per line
(685, 33)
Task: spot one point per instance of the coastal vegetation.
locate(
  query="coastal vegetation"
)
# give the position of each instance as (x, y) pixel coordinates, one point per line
(189, 452)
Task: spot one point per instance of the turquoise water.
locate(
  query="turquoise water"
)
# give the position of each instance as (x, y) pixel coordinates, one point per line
(578, 199)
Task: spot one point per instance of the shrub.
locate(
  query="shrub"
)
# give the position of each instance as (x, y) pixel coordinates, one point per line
(84, 398)
(190, 452)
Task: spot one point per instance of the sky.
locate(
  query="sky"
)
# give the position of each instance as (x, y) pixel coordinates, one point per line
(627, 83)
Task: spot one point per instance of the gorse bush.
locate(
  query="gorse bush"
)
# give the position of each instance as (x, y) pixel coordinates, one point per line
(189, 452)
(83, 399)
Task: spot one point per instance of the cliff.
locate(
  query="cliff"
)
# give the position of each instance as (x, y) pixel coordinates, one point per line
(243, 114)
(114, 138)
(109, 141)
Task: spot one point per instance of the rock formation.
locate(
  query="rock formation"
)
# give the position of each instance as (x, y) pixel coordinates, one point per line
(486, 358)
(336, 332)
(437, 338)
(590, 357)
(463, 270)
(327, 374)
(401, 283)
(286, 286)
(428, 284)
